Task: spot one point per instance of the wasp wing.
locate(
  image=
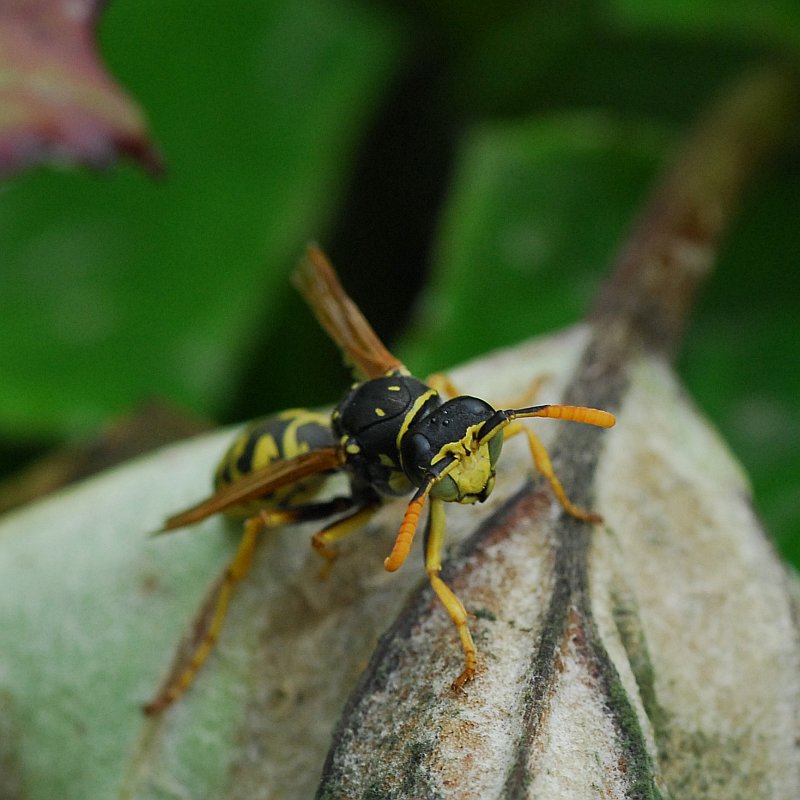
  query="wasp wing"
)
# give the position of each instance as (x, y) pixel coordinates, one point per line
(258, 483)
(341, 318)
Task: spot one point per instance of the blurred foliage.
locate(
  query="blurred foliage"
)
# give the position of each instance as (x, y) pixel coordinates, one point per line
(505, 152)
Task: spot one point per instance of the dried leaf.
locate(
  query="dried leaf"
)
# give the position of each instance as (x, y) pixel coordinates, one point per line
(58, 102)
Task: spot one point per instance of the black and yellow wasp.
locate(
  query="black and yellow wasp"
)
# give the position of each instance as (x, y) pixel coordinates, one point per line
(391, 434)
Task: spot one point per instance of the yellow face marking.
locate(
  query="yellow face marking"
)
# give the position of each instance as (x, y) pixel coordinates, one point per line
(461, 447)
(472, 471)
(393, 388)
(380, 412)
(353, 449)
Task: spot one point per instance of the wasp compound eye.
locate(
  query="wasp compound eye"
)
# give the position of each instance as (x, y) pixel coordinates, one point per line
(416, 453)
(446, 489)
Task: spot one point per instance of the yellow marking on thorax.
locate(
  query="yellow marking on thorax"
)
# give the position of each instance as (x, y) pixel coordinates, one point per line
(416, 406)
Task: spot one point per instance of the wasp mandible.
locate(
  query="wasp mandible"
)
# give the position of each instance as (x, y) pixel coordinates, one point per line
(392, 434)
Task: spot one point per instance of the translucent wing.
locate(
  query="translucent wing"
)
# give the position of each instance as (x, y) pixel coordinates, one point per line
(317, 281)
(258, 483)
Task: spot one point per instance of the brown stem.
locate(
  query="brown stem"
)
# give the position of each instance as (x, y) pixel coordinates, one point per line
(671, 248)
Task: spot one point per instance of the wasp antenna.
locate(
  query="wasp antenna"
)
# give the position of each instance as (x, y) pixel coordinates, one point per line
(408, 527)
(589, 416)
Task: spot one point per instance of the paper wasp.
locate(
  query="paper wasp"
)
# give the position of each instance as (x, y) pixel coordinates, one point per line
(391, 434)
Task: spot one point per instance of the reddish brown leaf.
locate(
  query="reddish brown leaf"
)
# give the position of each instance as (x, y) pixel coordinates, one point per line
(57, 103)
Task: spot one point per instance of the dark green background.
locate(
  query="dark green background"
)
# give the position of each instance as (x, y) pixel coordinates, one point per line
(470, 171)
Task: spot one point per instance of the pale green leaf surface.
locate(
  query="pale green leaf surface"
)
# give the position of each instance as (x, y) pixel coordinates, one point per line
(92, 609)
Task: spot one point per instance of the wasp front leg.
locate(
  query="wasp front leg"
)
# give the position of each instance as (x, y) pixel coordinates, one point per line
(454, 607)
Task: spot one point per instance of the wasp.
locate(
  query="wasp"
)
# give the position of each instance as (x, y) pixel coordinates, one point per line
(392, 435)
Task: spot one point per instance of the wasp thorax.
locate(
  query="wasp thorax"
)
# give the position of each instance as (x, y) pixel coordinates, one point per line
(445, 445)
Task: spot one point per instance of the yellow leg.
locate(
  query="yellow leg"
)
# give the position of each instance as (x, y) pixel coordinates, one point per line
(454, 607)
(542, 461)
(527, 397)
(181, 679)
(339, 530)
(440, 381)
(183, 674)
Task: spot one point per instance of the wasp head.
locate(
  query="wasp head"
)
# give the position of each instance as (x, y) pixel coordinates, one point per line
(445, 449)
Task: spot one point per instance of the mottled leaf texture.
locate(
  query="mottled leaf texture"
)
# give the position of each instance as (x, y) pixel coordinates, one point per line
(57, 103)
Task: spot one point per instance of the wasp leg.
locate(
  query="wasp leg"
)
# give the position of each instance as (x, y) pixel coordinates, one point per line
(440, 381)
(339, 530)
(542, 461)
(526, 397)
(455, 608)
(206, 635)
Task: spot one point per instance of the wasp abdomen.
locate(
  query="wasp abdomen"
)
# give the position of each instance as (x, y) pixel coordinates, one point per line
(274, 438)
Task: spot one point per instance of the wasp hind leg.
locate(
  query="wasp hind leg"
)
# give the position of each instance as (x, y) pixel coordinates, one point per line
(212, 615)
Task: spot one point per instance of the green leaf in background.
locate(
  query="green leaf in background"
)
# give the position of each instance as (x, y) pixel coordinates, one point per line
(536, 211)
(116, 288)
(740, 359)
(777, 21)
